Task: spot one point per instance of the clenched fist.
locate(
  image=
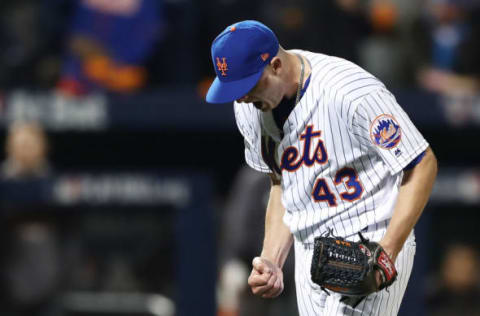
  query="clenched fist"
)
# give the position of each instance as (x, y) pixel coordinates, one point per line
(266, 278)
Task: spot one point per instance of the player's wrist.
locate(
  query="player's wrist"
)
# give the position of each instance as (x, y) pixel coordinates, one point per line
(391, 248)
(270, 257)
(276, 253)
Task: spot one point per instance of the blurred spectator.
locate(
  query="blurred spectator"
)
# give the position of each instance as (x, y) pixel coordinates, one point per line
(30, 264)
(241, 240)
(289, 18)
(26, 149)
(382, 53)
(31, 34)
(109, 42)
(334, 27)
(451, 29)
(340, 27)
(457, 290)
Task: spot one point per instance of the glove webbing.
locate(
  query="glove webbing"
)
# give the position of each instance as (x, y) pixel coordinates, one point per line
(343, 265)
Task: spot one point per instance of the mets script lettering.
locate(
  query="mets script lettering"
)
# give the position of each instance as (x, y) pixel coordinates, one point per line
(291, 160)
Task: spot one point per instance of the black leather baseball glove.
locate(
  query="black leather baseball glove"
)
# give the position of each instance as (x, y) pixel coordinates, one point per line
(349, 267)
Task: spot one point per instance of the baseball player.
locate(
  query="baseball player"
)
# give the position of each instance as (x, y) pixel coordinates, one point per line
(342, 155)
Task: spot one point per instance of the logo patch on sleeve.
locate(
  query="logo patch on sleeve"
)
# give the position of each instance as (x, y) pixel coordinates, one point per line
(385, 131)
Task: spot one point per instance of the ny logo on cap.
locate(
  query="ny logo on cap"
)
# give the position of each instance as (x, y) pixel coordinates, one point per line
(222, 66)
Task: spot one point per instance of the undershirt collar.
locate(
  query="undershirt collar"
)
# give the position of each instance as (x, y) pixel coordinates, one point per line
(286, 106)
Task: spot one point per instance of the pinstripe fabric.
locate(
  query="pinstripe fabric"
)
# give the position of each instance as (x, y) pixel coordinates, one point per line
(356, 188)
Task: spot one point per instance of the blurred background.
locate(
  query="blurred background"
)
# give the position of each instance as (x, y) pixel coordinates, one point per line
(123, 193)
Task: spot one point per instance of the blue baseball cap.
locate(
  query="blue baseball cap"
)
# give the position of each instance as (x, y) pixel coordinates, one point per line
(239, 55)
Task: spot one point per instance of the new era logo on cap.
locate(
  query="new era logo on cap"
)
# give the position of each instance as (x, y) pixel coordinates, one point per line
(239, 55)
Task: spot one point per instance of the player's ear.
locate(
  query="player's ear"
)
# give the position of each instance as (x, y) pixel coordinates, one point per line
(276, 64)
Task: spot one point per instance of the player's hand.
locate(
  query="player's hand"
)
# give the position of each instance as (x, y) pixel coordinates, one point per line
(266, 279)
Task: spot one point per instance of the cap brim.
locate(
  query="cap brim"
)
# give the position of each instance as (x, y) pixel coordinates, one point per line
(223, 92)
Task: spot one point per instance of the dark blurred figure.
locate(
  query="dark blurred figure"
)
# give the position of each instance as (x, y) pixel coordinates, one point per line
(108, 45)
(332, 27)
(31, 34)
(381, 52)
(451, 30)
(30, 266)
(456, 290)
(241, 239)
(340, 27)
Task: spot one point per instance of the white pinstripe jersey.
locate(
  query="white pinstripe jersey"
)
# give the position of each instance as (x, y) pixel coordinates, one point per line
(342, 153)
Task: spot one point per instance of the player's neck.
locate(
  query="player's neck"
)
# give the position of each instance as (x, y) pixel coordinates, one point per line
(295, 74)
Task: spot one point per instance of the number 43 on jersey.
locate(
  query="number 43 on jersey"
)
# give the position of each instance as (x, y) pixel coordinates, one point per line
(321, 192)
(348, 176)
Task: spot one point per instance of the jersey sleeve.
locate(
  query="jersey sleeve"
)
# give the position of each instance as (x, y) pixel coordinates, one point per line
(248, 125)
(380, 123)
